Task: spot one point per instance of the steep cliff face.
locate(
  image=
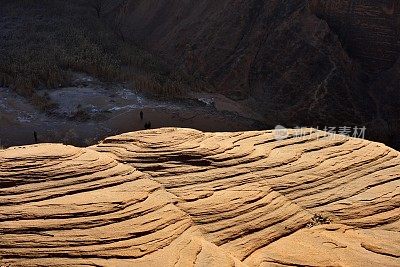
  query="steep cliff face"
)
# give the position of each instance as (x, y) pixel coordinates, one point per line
(219, 39)
(276, 52)
(297, 62)
(370, 33)
(386, 91)
(370, 29)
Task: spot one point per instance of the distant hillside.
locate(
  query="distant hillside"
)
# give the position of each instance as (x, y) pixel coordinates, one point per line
(302, 62)
(295, 62)
(44, 41)
(369, 30)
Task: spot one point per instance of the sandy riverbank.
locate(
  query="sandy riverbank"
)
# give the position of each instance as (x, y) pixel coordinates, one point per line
(91, 110)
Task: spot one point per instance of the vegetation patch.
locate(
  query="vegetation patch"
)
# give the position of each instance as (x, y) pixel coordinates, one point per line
(44, 41)
(318, 219)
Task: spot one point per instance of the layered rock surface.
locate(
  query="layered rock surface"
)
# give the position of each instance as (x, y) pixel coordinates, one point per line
(180, 197)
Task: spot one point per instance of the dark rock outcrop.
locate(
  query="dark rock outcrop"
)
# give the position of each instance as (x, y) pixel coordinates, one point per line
(370, 33)
(370, 29)
(386, 92)
(297, 62)
(277, 52)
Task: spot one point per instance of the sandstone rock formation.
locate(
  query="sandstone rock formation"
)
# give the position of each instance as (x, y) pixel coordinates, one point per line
(180, 197)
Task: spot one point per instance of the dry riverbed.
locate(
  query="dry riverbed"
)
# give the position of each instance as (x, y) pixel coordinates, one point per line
(91, 110)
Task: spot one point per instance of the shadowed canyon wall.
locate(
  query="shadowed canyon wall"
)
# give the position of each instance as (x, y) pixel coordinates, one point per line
(370, 32)
(369, 29)
(277, 52)
(297, 62)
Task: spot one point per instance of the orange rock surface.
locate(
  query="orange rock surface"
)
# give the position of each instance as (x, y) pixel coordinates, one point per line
(180, 197)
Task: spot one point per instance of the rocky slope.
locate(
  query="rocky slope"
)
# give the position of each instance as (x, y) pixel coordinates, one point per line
(368, 29)
(296, 62)
(180, 197)
(277, 52)
(385, 89)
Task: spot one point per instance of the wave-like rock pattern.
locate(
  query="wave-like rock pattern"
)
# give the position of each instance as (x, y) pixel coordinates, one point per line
(62, 205)
(180, 197)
